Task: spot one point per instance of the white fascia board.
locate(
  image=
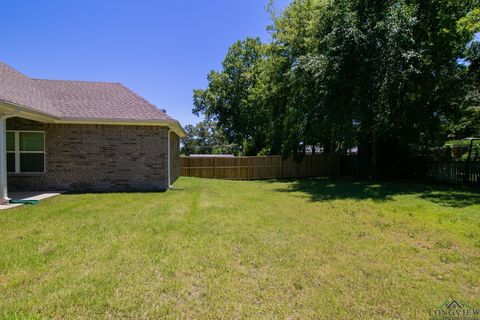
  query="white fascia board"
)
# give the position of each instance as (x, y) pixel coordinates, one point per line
(27, 113)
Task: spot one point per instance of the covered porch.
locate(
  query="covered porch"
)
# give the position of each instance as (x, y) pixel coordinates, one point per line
(21, 152)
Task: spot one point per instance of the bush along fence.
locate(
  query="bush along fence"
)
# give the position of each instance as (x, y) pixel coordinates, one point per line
(257, 168)
(457, 172)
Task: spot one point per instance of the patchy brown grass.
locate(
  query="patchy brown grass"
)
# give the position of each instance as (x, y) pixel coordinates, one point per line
(213, 249)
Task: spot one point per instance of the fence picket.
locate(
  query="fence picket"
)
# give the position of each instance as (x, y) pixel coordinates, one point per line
(455, 172)
(255, 168)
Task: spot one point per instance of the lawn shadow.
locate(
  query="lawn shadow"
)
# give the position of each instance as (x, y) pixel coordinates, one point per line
(328, 189)
(454, 198)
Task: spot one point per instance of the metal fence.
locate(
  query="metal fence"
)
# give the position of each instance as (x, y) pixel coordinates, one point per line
(458, 172)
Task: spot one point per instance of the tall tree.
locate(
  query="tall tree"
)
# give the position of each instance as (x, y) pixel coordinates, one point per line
(468, 123)
(235, 97)
(206, 138)
(381, 75)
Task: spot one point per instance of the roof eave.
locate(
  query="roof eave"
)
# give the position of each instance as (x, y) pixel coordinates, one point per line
(16, 110)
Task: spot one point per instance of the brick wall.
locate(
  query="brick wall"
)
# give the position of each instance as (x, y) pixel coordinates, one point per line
(174, 157)
(97, 158)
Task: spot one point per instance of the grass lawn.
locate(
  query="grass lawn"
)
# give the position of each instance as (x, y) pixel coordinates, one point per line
(213, 249)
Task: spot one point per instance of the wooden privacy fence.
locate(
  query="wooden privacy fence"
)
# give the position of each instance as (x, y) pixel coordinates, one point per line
(459, 172)
(256, 168)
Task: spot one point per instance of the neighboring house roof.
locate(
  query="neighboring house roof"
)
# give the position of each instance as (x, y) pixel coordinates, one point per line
(79, 101)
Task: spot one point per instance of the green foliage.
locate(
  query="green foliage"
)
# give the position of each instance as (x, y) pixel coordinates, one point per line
(205, 138)
(468, 123)
(475, 153)
(471, 22)
(453, 149)
(234, 98)
(381, 75)
(462, 143)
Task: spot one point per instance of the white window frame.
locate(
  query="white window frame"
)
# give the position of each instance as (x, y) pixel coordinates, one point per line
(17, 152)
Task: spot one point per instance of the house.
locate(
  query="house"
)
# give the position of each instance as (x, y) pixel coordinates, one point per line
(82, 136)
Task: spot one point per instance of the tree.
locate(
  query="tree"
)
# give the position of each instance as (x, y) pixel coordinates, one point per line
(468, 115)
(381, 75)
(205, 138)
(235, 97)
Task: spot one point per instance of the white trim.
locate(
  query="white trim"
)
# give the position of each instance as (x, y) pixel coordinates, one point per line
(20, 111)
(28, 113)
(18, 152)
(3, 155)
(3, 160)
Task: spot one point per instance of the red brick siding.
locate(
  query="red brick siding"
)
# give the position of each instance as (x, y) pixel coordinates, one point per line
(97, 158)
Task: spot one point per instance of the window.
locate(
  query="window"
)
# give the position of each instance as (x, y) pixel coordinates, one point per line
(25, 151)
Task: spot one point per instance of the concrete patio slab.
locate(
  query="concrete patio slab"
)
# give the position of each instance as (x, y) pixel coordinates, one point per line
(29, 195)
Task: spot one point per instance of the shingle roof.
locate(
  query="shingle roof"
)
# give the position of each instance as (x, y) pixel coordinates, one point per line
(19, 89)
(76, 99)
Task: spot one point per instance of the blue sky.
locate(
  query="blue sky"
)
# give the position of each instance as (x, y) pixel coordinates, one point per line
(161, 49)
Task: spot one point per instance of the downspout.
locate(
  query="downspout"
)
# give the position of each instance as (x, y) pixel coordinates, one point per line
(168, 160)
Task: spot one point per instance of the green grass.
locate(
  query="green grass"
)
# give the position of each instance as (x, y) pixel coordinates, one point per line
(212, 249)
(462, 143)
